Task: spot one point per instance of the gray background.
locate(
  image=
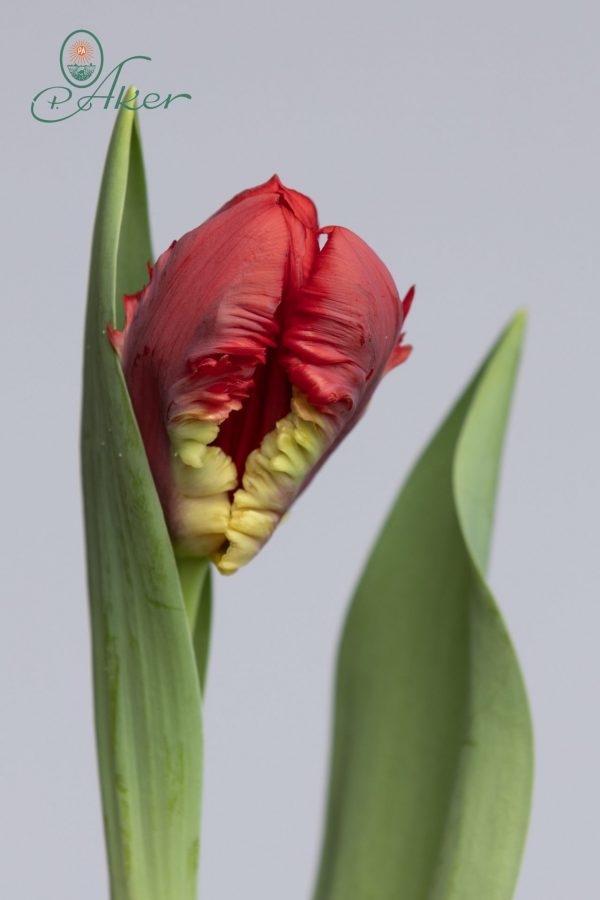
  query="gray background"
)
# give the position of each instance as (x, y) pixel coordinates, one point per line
(462, 141)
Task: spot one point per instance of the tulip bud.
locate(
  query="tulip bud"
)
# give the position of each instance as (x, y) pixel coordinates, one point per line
(248, 357)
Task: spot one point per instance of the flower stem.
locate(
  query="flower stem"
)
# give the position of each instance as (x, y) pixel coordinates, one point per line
(195, 578)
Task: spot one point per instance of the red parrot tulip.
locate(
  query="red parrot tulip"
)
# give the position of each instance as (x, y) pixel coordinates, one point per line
(248, 357)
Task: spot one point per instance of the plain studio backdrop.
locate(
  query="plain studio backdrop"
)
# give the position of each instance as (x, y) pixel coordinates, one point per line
(462, 141)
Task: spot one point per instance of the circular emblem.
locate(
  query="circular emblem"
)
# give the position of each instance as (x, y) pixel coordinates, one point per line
(81, 58)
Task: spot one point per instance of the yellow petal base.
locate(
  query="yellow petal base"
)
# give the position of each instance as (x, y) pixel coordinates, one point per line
(232, 531)
(204, 477)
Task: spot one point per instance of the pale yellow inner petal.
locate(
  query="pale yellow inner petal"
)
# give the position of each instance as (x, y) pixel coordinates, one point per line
(204, 477)
(233, 531)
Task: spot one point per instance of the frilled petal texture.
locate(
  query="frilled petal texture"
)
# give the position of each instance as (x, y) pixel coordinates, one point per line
(248, 356)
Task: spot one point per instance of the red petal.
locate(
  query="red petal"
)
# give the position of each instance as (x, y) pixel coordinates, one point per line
(399, 355)
(299, 204)
(344, 326)
(402, 351)
(408, 301)
(130, 304)
(208, 316)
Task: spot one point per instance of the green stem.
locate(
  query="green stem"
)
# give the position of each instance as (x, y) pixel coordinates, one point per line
(192, 573)
(195, 578)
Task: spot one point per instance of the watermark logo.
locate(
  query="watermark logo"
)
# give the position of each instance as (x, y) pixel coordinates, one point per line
(81, 58)
(82, 65)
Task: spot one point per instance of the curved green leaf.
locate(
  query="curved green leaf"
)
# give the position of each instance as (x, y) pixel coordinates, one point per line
(147, 696)
(432, 758)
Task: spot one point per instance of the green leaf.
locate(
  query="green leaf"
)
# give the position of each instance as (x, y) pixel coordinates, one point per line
(431, 766)
(147, 696)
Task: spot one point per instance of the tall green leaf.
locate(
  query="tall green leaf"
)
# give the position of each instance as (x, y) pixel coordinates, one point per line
(431, 766)
(147, 696)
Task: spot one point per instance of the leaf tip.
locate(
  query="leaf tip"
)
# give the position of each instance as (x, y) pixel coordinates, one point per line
(516, 328)
(520, 319)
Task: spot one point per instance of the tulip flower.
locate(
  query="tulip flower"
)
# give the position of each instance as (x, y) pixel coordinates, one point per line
(248, 357)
